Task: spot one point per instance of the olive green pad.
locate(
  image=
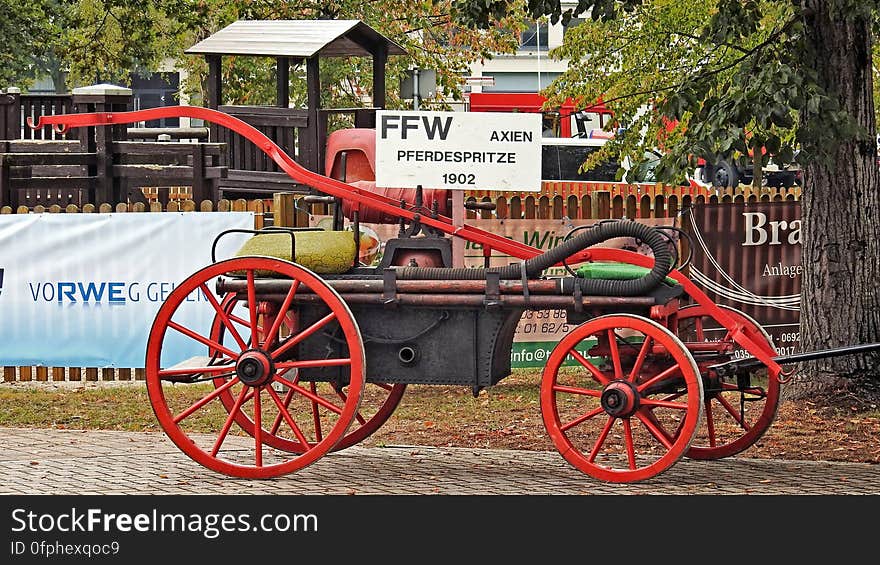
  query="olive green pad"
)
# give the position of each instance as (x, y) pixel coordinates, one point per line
(324, 252)
(615, 271)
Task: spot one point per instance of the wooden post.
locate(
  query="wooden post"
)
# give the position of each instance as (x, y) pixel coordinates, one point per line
(215, 90)
(380, 59)
(282, 87)
(10, 114)
(457, 221)
(309, 148)
(199, 183)
(284, 209)
(10, 128)
(103, 98)
(6, 196)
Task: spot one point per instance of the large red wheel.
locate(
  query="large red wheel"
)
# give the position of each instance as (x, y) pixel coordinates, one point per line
(249, 369)
(734, 419)
(606, 414)
(377, 403)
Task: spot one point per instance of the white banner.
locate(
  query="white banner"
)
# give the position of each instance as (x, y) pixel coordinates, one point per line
(82, 290)
(458, 150)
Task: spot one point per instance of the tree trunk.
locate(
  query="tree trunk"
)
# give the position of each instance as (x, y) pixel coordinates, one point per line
(59, 76)
(757, 166)
(840, 297)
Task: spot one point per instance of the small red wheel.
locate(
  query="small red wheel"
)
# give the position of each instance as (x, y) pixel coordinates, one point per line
(249, 369)
(606, 413)
(378, 401)
(735, 419)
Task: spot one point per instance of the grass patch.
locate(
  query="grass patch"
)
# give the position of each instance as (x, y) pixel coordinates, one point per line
(128, 407)
(100, 408)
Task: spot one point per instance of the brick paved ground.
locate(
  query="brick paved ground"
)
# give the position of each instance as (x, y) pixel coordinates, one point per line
(37, 461)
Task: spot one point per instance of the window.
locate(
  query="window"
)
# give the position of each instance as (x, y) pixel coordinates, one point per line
(534, 37)
(519, 81)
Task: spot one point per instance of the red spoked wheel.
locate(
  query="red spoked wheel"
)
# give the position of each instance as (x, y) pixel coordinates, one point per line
(249, 369)
(378, 401)
(734, 419)
(607, 413)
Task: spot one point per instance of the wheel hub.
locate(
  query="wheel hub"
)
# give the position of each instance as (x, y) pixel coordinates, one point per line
(254, 368)
(620, 399)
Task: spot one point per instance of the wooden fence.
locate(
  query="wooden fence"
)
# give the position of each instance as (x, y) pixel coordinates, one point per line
(34, 173)
(600, 201)
(286, 209)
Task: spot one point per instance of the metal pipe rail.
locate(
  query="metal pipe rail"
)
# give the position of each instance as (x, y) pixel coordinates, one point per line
(464, 286)
(731, 368)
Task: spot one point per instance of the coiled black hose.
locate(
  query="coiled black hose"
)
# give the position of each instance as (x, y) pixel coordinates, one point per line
(532, 268)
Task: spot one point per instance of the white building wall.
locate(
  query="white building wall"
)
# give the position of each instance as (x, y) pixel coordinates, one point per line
(517, 69)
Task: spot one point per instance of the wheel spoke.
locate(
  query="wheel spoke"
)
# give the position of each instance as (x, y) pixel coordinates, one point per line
(659, 377)
(258, 429)
(323, 402)
(710, 421)
(615, 354)
(582, 419)
(314, 363)
(282, 410)
(640, 360)
(577, 390)
(601, 440)
(739, 418)
(223, 316)
(252, 307)
(341, 394)
(385, 386)
(316, 416)
(658, 427)
(285, 306)
(228, 423)
(677, 429)
(656, 430)
(208, 398)
(216, 370)
(630, 447)
(202, 339)
(597, 374)
(303, 335)
(244, 323)
(663, 403)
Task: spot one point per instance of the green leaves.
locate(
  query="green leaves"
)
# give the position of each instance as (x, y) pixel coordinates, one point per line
(727, 76)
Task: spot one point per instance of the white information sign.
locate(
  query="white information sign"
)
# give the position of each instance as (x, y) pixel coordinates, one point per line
(458, 150)
(82, 290)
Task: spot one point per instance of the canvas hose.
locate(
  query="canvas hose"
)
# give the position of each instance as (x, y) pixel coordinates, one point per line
(535, 266)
